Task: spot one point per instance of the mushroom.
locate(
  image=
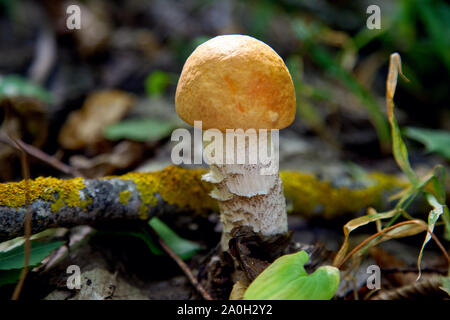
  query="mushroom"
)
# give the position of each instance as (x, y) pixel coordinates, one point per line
(238, 85)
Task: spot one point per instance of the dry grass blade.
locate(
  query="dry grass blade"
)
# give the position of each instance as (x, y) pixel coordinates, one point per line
(420, 225)
(353, 224)
(398, 146)
(395, 69)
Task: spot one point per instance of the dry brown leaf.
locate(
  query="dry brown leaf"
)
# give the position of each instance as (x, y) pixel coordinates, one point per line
(124, 155)
(237, 293)
(85, 127)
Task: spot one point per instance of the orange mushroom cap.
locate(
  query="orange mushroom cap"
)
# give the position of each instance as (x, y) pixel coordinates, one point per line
(235, 81)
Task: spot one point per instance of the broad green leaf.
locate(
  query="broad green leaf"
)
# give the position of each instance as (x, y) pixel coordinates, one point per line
(286, 279)
(437, 141)
(139, 130)
(15, 258)
(13, 85)
(185, 249)
(9, 276)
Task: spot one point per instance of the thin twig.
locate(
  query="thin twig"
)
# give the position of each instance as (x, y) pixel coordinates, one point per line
(26, 176)
(39, 154)
(183, 267)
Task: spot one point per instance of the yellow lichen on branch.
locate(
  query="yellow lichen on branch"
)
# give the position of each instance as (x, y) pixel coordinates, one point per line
(181, 187)
(309, 196)
(124, 196)
(58, 191)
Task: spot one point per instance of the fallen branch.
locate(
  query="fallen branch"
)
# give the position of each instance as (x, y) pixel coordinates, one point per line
(65, 203)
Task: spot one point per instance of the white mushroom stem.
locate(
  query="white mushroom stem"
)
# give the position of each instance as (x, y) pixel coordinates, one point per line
(249, 192)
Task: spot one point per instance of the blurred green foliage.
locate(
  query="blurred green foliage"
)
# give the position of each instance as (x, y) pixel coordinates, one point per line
(146, 129)
(183, 248)
(13, 86)
(437, 141)
(418, 29)
(157, 82)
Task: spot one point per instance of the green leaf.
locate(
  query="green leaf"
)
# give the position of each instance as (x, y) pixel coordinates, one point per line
(286, 279)
(15, 258)
(13, 85)
(183, 248)
(139, 130)
(9, 276)
(437, 141)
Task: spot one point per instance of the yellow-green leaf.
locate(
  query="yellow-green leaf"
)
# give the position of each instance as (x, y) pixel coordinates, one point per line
(287, 279)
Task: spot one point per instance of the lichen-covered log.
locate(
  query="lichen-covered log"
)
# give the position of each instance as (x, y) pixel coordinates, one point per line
(64, 203)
